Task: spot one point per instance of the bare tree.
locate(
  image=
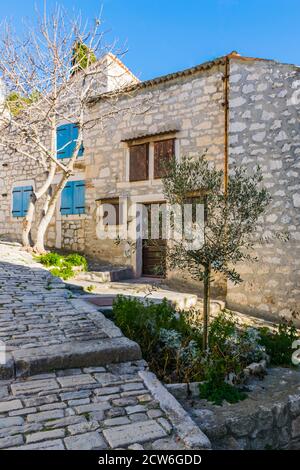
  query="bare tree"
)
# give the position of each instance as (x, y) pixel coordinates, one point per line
(50, 75)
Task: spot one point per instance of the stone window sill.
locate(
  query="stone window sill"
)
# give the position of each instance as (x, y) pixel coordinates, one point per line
(73, 217)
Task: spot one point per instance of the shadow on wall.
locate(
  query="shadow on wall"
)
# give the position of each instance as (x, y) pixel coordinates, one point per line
(176, 280)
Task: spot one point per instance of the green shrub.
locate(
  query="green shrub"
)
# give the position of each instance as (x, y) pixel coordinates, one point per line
(50, 259)
(168, 343)
(65, 272)
(76, 260)
(217, 394)
(172, 342)
(62, 266)
(278, 344)
(215, 388)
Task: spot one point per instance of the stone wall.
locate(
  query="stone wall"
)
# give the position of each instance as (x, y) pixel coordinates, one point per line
(268, 419)
(265, 130)
(190, 105)
(14, 174)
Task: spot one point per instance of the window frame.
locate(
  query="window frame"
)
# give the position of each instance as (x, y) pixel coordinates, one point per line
(151, 179)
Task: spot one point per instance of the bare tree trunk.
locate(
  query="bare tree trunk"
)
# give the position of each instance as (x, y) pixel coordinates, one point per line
(27, 224)
(49, 209)
(206, 306)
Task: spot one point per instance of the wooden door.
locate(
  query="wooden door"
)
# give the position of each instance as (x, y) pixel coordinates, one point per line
(153, 251)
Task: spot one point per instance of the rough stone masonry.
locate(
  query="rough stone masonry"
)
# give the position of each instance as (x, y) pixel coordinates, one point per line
(190, 107)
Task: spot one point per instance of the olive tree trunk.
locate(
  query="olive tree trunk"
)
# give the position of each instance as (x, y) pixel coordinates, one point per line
(206, 306)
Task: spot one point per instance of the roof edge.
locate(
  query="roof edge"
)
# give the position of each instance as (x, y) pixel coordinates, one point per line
(163, 78)
(186, 72)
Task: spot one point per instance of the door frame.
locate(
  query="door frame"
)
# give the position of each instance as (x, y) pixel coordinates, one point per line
(137, 256)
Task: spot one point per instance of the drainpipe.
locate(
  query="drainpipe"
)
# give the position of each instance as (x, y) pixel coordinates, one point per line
(226, 80)
(226, 120)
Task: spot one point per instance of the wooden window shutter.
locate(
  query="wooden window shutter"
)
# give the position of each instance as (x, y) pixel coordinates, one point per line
(67, 135)
(17, 202)
(66, 207)
(164, 151)
(74, 137)
(63, 139)
(21, 198)
(139, 162)
(73, 198)
(27, 193)
(79, 197)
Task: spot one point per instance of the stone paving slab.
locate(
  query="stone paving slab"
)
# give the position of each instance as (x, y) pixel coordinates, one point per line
(44, 327)
(94, 408)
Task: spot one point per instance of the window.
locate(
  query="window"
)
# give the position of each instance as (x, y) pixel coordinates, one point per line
(139, 162)
(73, 198)
(149, 160)
(164, 151)
(112, 214)
(67, 136)
(21, 199)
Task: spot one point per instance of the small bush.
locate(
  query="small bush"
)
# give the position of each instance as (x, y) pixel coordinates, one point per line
(217, 394)
(77, 260)
(62, 266)
(50, 259)
(65, 272)
(172, 342)
(278, 344)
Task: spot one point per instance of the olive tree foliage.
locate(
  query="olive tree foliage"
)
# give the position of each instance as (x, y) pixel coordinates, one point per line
(232, 218)
(50, 74)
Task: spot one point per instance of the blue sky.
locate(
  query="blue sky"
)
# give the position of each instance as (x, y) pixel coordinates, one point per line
(164, 36)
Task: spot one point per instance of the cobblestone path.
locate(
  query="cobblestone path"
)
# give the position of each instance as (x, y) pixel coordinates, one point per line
(43, 327)
(72, 380)
(93, 408)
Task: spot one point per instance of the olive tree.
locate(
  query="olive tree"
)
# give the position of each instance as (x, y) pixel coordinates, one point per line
(231, 219)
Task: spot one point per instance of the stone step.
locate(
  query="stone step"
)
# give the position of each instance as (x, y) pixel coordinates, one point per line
(26, 362)
(106, 275)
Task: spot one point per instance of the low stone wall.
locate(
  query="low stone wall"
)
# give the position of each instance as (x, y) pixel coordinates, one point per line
(268, 419)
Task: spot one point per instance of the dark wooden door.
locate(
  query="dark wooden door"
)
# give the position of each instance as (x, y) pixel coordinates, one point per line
(154, 251)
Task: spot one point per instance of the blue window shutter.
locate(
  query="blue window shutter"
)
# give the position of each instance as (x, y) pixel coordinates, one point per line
(67, 199)
(17, 202)
(63, 137)
(67, 135)
(21, 198)
(27, 192)
(74, 137)
(79, 197)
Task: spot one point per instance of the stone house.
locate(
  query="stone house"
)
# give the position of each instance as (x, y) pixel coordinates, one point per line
(237, 110)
